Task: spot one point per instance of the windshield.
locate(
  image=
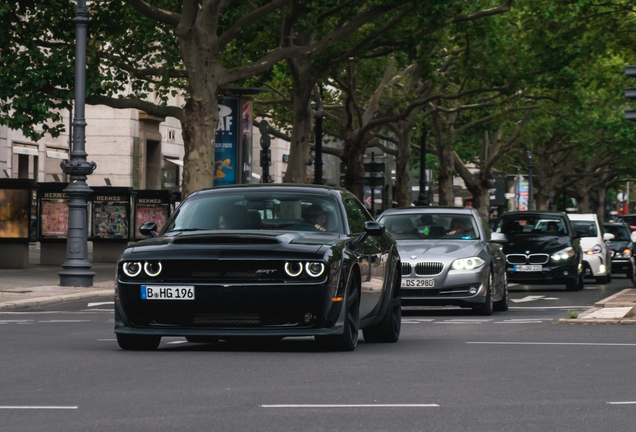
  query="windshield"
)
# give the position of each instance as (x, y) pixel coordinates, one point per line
(620, 232)
(427, 226)
(537, 225)
(258, 210)
(585, 228)
(629, 220)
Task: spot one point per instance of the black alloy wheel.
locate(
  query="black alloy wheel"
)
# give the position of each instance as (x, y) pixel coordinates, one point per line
(502, 305)
(348, 340)
(487, 308)
(137, 342)
(388, 330)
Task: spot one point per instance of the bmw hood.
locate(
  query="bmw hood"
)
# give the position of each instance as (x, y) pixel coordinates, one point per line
(620, 245)
(437, 250)
(535, 244)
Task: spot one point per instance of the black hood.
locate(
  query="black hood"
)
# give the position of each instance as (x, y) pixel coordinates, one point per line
(228, 244)
(620, 245)
(535, 244)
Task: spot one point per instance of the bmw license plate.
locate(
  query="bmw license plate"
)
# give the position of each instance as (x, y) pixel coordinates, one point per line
(418, 283)
(167, 292)
(528, 268)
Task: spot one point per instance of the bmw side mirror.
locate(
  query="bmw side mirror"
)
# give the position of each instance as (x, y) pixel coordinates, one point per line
(498, 238)
(149, 229)
(374, 229)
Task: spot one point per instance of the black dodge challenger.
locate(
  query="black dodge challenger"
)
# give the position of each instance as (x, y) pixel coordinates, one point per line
(261, 262)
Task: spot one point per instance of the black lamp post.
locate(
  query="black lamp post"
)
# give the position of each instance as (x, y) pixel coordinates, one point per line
(422, 199)
(76, 270)
(318, 163)
(530, 200)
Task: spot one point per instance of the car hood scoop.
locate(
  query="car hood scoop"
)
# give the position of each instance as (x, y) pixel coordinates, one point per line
(224, 239)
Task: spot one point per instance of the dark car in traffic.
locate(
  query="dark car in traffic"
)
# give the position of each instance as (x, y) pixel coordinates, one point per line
(261, 261)
(542, 248)
(450, 257)
(622, 249)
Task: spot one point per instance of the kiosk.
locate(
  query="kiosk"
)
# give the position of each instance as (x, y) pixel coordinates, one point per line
(52, 222)
(110, 221)
(152, 206)
(17, 202)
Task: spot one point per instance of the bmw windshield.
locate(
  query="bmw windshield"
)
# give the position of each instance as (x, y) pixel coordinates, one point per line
(535, 225)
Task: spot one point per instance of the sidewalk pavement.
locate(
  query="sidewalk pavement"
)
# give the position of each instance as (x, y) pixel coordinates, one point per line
(38, 285)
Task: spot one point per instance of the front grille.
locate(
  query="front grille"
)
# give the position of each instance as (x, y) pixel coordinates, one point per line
(428, 268)
(458, 291)
(516, 258)
(229, 319)
(406, 269)
(538, 258)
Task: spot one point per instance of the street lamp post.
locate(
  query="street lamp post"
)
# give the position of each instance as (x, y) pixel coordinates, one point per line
(76, 270)
(422, 199)
(318, 163)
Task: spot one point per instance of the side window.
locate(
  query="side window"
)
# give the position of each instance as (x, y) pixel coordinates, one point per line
(357, 215)
(485, 226)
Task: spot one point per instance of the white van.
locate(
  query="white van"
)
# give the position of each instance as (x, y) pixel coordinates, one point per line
(597, 259)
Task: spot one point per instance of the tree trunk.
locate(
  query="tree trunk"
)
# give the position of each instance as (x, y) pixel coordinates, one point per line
(353, 157)
(301, 133)
(402, 165)
(199, 136)
(542, 201)
(445, 178)
(600, 200)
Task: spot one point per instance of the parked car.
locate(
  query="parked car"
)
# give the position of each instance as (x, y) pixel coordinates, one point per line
(597, 260)
(449, 257)
(622, 250)
(630, 220)
(542, 248)
(265, 261)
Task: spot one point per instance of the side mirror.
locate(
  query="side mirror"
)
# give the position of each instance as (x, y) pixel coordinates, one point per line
(149, 229)
(498, 238)
(608, 236)
(374, 228)
(633, 236)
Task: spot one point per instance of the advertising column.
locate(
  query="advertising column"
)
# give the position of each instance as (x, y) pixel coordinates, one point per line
(226, 143)
(110, 222)
(53, 223)
(15, 219)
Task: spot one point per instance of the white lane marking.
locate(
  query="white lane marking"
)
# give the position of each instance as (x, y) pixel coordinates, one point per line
(177, 342)
(549, 307)
(621, 403)
(14, 321)
(353, 406)
(551, 343)
(459, 322)
(38, 407)
(520, 321)
(98, 310)
(418, 319)
(64, 321)
(527, 299)
(109, 340)
(101, 303)
(550, 298)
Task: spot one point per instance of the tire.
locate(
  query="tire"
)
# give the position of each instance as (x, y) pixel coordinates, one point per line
(487, 308)
(202, 339)
(575, 285)
(502, 305)
(609, 277)
(388, 330)
(137, 342)
(348, 340)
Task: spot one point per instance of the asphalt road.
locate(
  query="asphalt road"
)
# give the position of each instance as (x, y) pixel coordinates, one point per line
(451, 371)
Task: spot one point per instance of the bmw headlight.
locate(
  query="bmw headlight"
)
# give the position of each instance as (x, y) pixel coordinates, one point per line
(132, 269)
(563, 254)
(627, 253)
(467, 263)
(595, 250)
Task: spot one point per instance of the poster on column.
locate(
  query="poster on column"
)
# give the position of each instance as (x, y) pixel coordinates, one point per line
(226, 143)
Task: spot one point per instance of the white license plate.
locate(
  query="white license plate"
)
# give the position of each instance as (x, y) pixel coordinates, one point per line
(167, 292)
(528, 268)
(418, 283)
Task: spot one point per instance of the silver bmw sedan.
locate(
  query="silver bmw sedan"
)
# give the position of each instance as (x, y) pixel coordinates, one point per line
(449, 257)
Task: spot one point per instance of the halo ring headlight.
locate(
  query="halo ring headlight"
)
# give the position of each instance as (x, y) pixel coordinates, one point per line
(148, 268)
(314, 269)
(132, 269)
(290, 268)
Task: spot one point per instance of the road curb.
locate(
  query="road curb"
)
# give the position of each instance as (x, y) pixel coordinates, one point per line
(45, 301)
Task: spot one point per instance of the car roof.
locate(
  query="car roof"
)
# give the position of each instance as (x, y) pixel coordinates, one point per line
(281, 187)
(582, 217)
(423, 210)
(534, 213)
